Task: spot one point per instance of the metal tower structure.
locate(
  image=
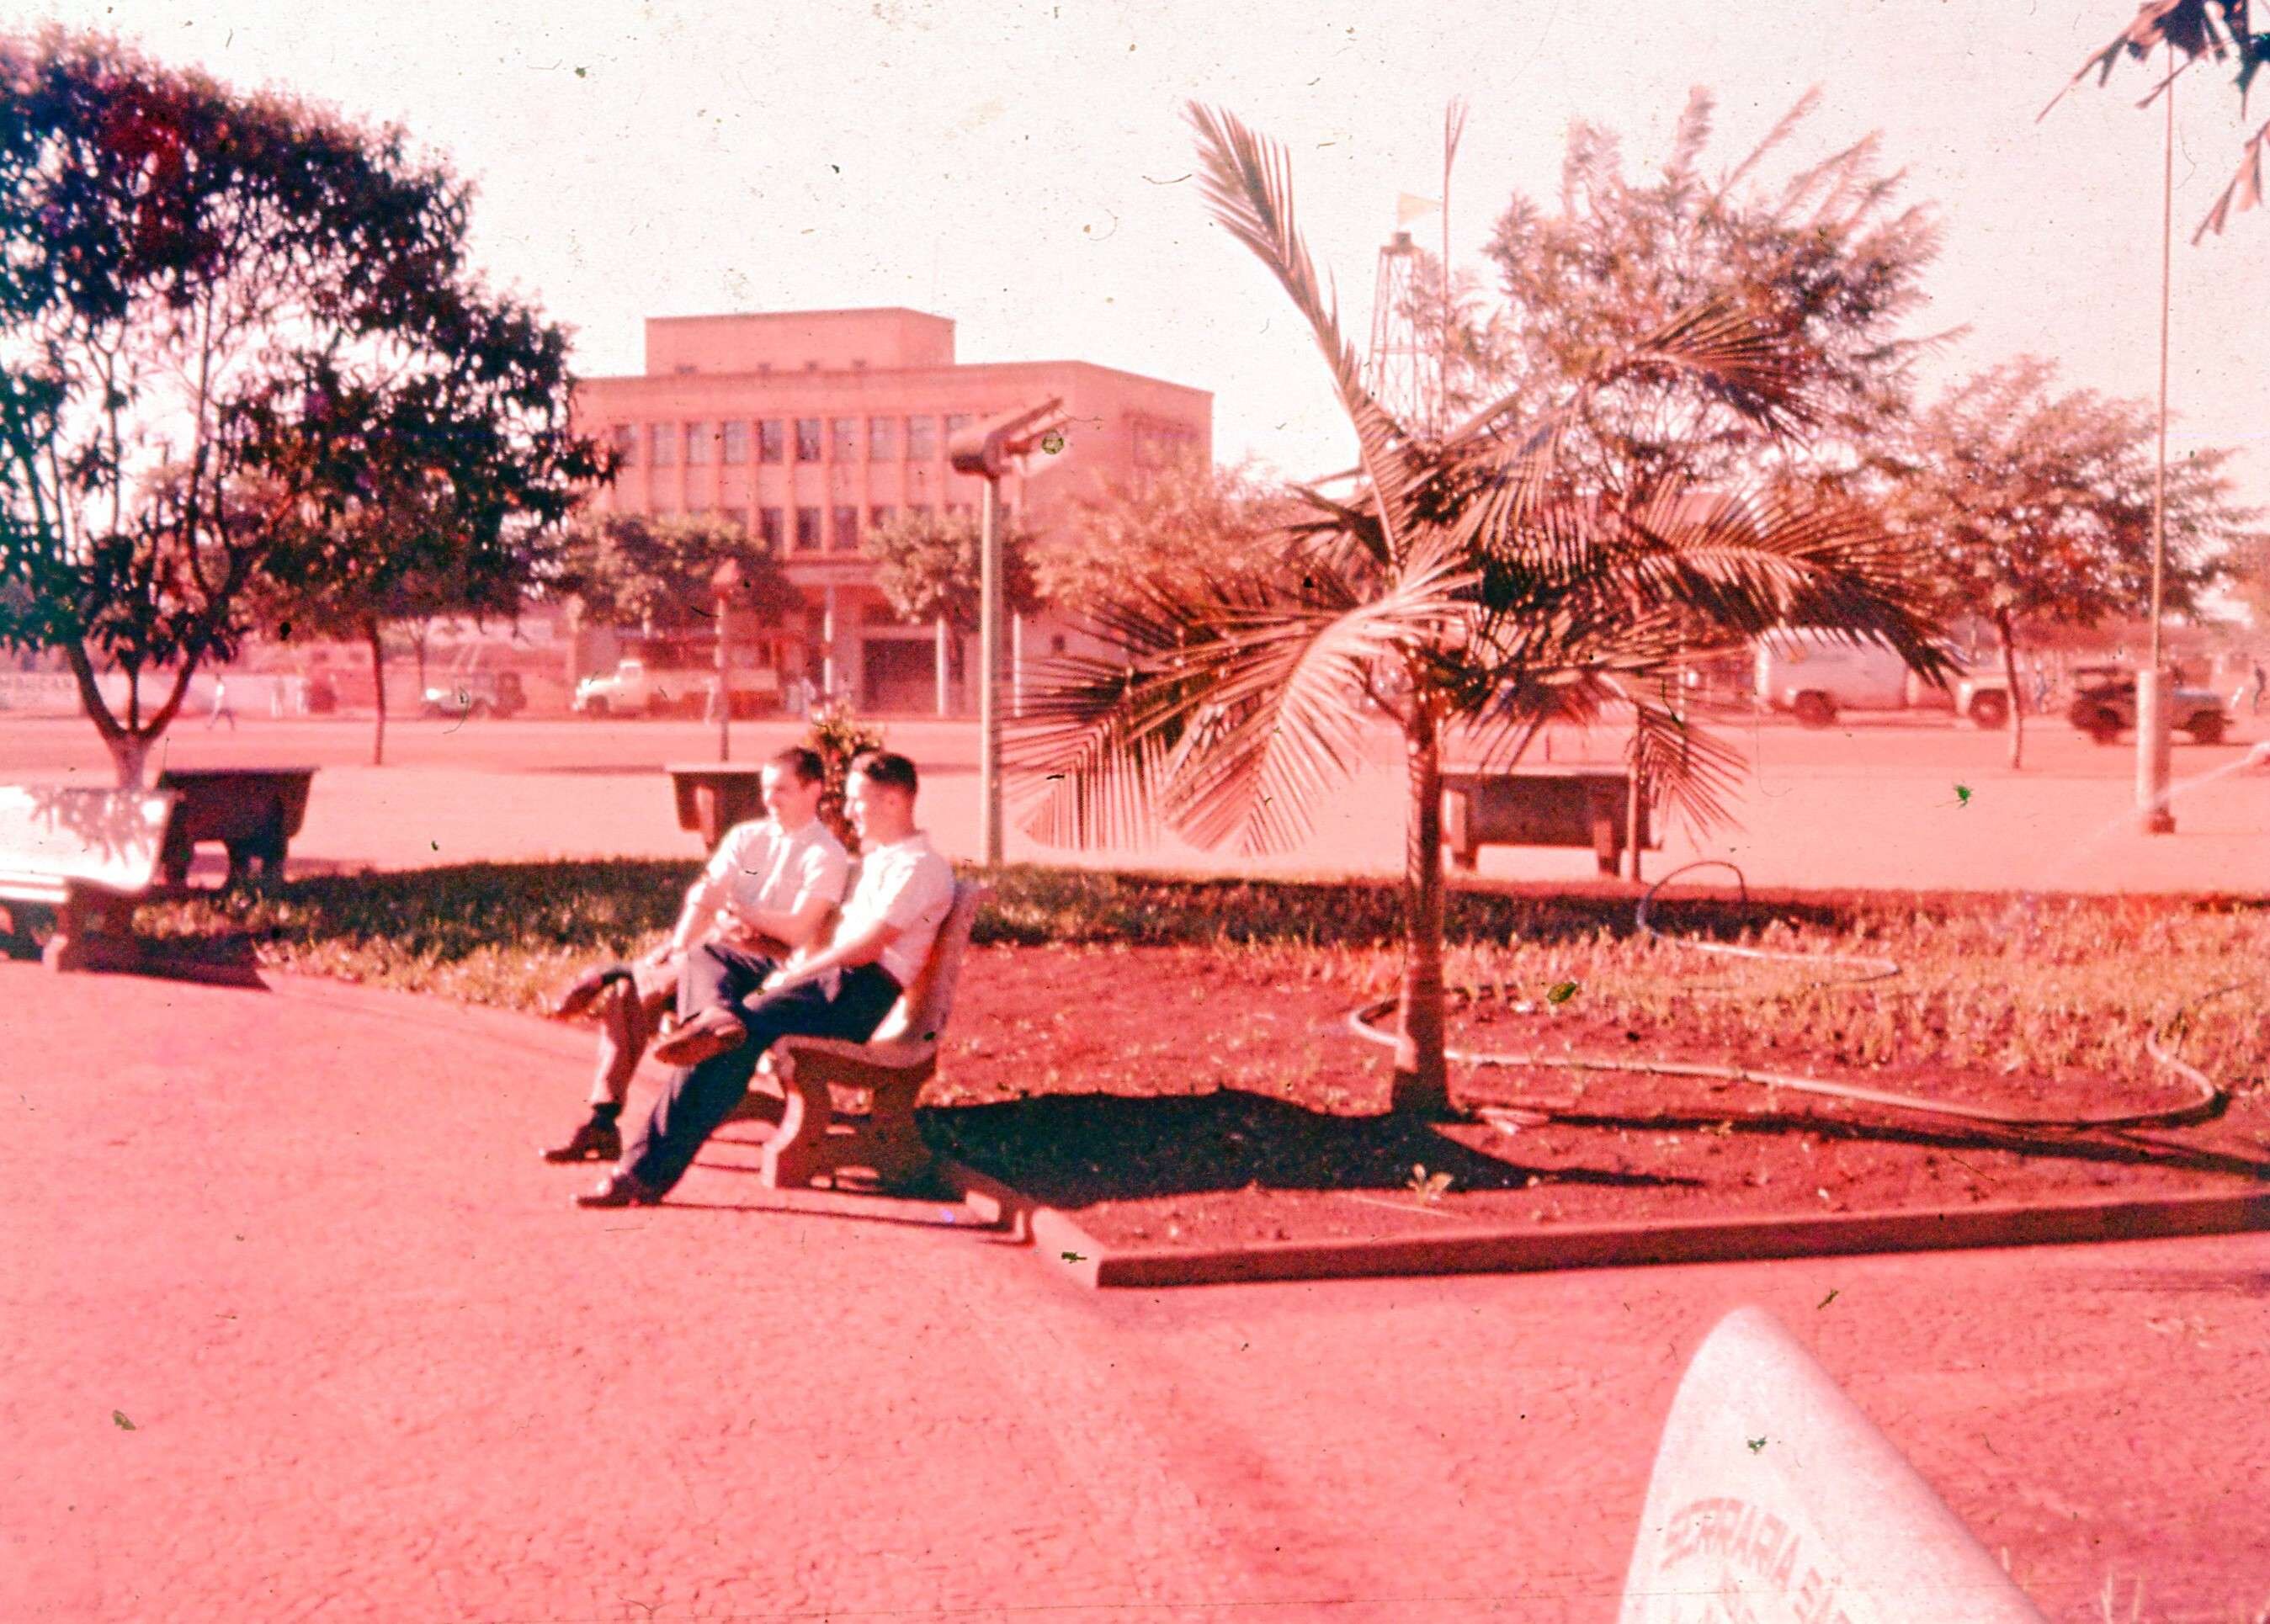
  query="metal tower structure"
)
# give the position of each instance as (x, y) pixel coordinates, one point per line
(1402, 369)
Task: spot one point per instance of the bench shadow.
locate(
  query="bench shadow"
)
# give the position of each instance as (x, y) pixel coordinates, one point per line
(1072, 1150)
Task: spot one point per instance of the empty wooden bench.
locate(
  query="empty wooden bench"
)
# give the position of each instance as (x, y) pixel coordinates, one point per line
(1565, 807)
(794, 1080)
(87, 854)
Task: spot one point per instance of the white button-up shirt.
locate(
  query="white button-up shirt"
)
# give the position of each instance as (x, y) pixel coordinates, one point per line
(906, 884)
(761, 866)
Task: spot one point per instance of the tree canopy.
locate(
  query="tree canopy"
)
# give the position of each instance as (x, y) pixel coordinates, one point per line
(1829, 258)
(233, 328)
(2036, 505)
(928, 564)
(653, 575)
(1174, 525)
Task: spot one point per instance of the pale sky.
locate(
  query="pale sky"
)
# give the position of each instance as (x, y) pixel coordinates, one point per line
(1017, 166)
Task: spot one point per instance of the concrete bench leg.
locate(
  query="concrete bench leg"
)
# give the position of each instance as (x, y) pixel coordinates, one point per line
(93, 933)
(892, 1143)
(798, 1152)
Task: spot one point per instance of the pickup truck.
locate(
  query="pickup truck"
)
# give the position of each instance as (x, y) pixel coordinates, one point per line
(633, 688)
(476, 694)
(2104, 704)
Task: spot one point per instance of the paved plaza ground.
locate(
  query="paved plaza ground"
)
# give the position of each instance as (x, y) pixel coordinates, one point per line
(294, 1325)
(375, 1367)
(1871, 805)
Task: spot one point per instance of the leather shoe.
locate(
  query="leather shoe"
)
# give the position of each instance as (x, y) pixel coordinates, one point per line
(715, 1031)
(580, 994)
(593, 1140)
(620, 1190)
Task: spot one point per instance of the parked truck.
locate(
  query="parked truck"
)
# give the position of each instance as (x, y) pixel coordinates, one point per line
(635, 688)
(1814, 676)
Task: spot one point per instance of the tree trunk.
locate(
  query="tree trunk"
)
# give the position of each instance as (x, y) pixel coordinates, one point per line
(1421, 1085)
(2017, 702)
(374, 635)
(130, 758)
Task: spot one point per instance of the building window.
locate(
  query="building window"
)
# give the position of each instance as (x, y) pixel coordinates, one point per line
(843, 529)
(959, 510)
(922, 440)
(920, 512)
(1057, 643)
(807, 440)
(807, 529)
(843, 440)
(626, 437)
(737, 442)
(663, 440)
(882, 440)
(768, 528)
(772, 443)
(880, 518)
(955, 422)
(697, 443)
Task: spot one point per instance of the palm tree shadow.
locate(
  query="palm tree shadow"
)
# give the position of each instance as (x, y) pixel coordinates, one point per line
(1074, 1150)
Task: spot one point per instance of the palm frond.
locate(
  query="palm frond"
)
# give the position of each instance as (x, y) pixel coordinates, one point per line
(1247, 185)
(2245, 189)
(1235, 711)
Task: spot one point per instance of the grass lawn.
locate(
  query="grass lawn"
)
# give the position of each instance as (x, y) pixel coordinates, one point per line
(1172, 1057)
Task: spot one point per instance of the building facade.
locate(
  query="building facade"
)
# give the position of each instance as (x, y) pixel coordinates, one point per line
(811, 427)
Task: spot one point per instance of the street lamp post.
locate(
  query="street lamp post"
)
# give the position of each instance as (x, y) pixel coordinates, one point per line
(985, 451)
(723, 584)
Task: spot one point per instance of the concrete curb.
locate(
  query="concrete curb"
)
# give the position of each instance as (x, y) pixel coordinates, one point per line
(1060, 1242)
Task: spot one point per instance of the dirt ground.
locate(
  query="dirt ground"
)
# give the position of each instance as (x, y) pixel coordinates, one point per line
(1177, 1098)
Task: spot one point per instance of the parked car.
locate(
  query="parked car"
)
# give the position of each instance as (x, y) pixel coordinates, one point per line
(2104, 705)
(476, 694)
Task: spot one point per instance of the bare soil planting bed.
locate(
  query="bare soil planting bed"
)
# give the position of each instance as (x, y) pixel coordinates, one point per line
(1181, 1097)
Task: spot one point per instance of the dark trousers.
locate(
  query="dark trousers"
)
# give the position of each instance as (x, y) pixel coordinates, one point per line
(697, 1098)
(713, 974)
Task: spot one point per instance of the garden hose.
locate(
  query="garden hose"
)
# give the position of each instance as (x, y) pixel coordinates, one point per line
(2210, 1102)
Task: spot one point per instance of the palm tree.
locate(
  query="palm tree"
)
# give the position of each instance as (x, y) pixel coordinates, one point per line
(1467, 586)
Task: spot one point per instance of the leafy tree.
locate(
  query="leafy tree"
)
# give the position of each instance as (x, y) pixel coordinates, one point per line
(1476, 583)
(631, 571)
(227, 321)
(2036, 508)
(930, 564)
(2197, 30)
(1829, 258)
(1179, 524)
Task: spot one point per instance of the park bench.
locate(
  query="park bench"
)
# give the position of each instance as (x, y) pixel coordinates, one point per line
(87, 854)
(712, 798)
(797, 1077)
(1571, 806)
(254, 811)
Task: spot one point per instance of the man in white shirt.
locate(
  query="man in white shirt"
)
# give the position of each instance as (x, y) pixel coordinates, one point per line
(768, 891)
(884, 938)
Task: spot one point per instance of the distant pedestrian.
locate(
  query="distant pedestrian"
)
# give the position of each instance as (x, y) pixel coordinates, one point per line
(221, 707)
(2041, 692)
(2261, 681)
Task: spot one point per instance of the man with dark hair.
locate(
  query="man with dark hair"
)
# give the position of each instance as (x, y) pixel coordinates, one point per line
(843, 990)
(768, 891)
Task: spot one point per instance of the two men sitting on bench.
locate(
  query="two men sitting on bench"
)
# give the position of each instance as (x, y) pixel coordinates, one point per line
(768, 891)
(734, 1006)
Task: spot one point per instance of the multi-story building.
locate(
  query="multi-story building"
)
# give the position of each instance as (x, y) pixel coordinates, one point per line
(810, 427)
